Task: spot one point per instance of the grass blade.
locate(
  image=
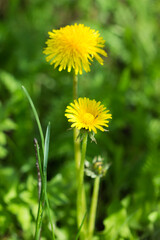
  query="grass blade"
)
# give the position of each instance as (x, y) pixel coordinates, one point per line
(35, 115)
(45, 162)
(43, 172)
(46, 148)
(77, 236)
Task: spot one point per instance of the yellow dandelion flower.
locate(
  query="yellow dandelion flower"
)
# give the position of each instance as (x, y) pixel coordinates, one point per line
(88, 114)
(74, 46)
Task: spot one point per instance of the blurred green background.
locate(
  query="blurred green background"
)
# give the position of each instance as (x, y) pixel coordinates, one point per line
(128, 84)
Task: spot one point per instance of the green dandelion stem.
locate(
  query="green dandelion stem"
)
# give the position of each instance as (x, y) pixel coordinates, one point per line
(92, 215)
(77, 151)
(80, 195)
(75, 86)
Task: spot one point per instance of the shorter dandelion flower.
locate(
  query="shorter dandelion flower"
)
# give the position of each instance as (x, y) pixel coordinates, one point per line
(88, 114)
(74, 46)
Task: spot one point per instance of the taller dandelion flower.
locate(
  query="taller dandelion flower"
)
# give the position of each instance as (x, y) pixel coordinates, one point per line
(88, 114)
(74, 46)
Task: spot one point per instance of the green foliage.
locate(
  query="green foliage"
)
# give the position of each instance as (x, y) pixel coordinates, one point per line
(128, 84)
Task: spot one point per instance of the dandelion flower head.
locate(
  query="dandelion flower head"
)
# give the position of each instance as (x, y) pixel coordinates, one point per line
(88, 114)
(74, 46)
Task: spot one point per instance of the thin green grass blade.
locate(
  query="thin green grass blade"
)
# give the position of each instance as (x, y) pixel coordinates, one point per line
(77, 236)
(41, 194)
(46, 148)
(45, 162)
(35, 115)
(39, 158)
(49, 215)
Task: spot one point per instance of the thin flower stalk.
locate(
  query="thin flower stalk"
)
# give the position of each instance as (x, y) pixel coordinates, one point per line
(92, 215)
(76, 131)
(77, 151)
(80, 196)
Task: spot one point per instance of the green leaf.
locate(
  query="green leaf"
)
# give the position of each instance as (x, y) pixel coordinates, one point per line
(3, 152)
(121, 221)
(22, 213)
(7, 125)
(9, 81)
(153, 216)
(2, 138)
